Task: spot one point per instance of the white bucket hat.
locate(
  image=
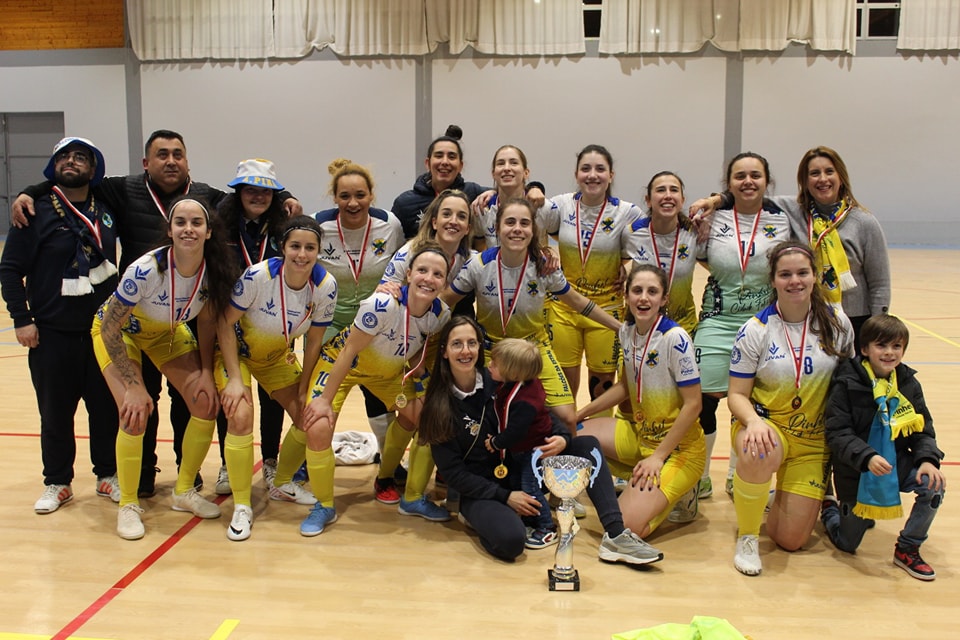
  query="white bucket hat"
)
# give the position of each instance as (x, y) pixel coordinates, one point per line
(257, 172)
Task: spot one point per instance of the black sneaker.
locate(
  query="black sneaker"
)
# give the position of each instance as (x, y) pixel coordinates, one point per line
(908, 559)
(148, 482)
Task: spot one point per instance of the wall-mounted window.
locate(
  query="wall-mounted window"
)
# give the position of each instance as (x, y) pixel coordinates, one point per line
(591, 18)
(877, 19)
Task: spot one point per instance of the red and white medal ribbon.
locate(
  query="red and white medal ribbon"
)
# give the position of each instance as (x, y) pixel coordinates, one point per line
(246, 254)
(175, 317)
(797, 357)
(93, 226)
(673, 256)
(638, 362)
(406, 336)
(156, 200)
(507, 313)
(596, 225)
(355, 266)
(743, 255)
(288, 328)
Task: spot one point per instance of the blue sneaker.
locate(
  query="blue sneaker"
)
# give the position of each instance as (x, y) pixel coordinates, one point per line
(300, 477)
(320, 516)
(425, 509)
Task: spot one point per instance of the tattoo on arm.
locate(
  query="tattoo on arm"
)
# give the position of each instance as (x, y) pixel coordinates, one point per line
(115, 316)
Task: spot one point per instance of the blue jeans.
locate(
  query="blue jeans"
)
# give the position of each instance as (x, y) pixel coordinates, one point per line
(531, 486)
(846, 529)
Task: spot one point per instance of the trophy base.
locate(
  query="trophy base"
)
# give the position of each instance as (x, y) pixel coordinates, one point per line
(563, 584)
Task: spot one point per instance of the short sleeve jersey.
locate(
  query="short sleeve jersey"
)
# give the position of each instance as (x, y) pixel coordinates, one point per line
(732, 290)
(384, 317)
(496, 284)
(675, 253)
(590, 252)
(763, 352)
(267, 303)
(667, 364)
(379, 239)
(148, 290)
(396, 270)
(488, 218)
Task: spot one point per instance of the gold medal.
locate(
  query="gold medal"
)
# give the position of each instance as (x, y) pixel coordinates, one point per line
(401, 400)
(291, 357)
(500, 471)
(797, 402)
(638, 416)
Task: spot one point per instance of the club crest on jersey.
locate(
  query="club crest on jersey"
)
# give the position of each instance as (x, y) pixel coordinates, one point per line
(130, 287)
(379, 246)
(683, 252)
(735, 355)
(653, 358)
(607, 224)
(533, 288)
(770, 231)
(369, 320)
(238, 288)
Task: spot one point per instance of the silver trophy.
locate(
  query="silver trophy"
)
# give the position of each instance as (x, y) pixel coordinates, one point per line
(565, 477)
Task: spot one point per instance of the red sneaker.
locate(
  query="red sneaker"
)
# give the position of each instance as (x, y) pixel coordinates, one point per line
(386, 491)
(908, 559)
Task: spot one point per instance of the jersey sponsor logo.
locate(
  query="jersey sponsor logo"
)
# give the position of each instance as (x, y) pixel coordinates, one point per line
(369, 320)
(686, 366)
(725, 230)
(774, 353)
(271, 304)
(329, 250)
(491, 287)
(130, 287)
(682, 345)
(140, 273)
(163, 296)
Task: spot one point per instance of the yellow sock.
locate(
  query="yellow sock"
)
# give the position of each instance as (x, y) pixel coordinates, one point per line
(129, 460)
(320, 466)
(749, 500)
(196, 443)
(393, 448)
(421, 466)
(238, 453)
(293, 452)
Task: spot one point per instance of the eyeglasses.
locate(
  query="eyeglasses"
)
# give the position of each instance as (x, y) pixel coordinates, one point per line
(459, 345)
(78, 157)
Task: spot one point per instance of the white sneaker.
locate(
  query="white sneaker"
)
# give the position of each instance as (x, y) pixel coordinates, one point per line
(223, 482)
(747, 558)
(269, 471)
(292, 492)
(579, 511)
(195, 503)
(53, 496)
(109, 487)
(685, 510)
(241, 524)
(129, 524)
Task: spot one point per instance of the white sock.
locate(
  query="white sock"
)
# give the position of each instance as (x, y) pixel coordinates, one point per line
(379, 425)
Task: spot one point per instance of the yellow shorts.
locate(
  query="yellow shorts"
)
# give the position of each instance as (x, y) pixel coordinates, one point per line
(160, 348)
(804, 467)
(680, 472)
(385, 388)
(571, 334)
(551, 376)
(272, 376)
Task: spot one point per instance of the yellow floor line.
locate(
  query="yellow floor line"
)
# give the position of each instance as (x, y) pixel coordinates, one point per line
(930, 333)
(225, 630)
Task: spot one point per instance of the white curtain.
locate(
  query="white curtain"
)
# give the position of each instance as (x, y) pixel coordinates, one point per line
(684, 26)
(301, 26)
(188, 30)
(452, 21)
(932, 25)
(530, 28)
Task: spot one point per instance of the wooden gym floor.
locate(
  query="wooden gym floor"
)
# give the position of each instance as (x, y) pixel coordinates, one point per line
(375, 573)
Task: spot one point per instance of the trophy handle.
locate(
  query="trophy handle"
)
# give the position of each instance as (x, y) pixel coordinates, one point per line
(596, 468)
(537, 454)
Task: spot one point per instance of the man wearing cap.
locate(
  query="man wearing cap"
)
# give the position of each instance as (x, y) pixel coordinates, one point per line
(67, 257)
(140, 202)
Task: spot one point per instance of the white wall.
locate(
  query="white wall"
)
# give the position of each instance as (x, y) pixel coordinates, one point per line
(91, 97)
(650, 114)
(893, 120)
(301, 116)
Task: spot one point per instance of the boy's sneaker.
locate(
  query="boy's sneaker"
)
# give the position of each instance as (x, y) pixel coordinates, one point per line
(241, 524)
(53, 496)
(628, 547)
(685, 510)
(319, 517)
(423, 508)
(269, 471)
(747, 557)
(129, 524)
(109, 487)
(385, 491)
(196, 504)
(148, 482)
(541, 538)
(223, 482)
(908, 559)
(292, 492)
(619, 484)
(705, 488)
(301, 476)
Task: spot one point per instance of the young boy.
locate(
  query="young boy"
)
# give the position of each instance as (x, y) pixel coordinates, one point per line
(524, 424)
(882, 443)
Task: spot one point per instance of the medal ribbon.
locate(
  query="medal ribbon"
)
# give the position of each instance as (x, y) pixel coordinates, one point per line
(246, 254)
(176, 318)
(502, 420)
(406, 335)
(797, 359)
(283, 307)
(93, 226)
(506, 314)
(596, 225)
(355, 266)
(742, 254)
(156, 200)
(673, 256)
(639, 366)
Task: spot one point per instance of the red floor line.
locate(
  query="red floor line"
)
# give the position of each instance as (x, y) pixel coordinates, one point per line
(71, 627)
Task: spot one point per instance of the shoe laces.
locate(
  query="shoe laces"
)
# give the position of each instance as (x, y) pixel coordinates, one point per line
(127, 509)
(750, 545)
